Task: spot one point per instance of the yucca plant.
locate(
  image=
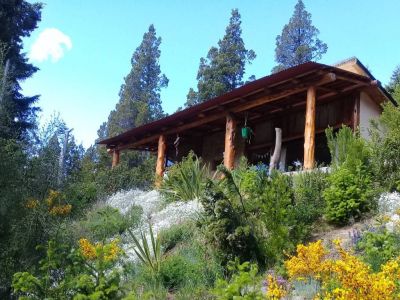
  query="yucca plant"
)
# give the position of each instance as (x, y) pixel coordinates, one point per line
(150, 257)
(185, 180)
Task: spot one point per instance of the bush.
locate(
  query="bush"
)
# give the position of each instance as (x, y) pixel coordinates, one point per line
(185, 180)
(244, 283)
(309, 203)
(350, 193)
(385, 144)
(175, 235)
(377, 248)
(174, 271)
(269, 202)
(104, 222)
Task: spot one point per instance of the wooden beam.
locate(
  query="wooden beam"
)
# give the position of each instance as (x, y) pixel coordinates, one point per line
(230, 133)
(115, 158)
(161, 158)
(309, 130)
(327, 78)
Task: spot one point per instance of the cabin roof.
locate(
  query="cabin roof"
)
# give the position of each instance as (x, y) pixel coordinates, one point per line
(349, 75)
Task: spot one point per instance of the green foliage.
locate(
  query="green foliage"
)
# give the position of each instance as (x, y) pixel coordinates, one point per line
(175, 235)
(224, 67)
(140, 100)
(17, 114)
(246, 215)
(65, 271)
(244, 283)
(309, 203)
(350, 193)
(385, 145)
(298, 42)
(378, 247)
(104, 222)
(174, 271)
(185, 180)
(151, 257)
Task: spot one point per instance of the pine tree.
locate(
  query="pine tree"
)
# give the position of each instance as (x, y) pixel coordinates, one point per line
(140, 101)
(224, 67)
(18, 18)
(298, 42)
(394, 81)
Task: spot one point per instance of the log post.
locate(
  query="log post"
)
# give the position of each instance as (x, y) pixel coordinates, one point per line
(277, 151)
(115, 158)
(161, 158)
(309, 131)
(230, 133)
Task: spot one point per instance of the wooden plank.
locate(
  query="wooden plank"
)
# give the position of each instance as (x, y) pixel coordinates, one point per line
(309, 130)
(356, 113)
(330, 77)
(115, 158)
(161, 158)
(230, 151)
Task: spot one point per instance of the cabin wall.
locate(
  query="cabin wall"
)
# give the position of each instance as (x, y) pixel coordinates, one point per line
(369, 110)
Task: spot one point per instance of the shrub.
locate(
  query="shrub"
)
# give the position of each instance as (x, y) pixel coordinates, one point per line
(175, 235)
(106, 221)
(185, 180)
(244, 283)
(350, 193)
(385, 144)
(174, 271)
(309, 203)
(342, 275)
(377, 248)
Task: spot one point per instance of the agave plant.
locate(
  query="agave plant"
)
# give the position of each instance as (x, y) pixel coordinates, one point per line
(185, 180)
(150, 257)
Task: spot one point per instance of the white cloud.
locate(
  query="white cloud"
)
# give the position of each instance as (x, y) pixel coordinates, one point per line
(51, 43)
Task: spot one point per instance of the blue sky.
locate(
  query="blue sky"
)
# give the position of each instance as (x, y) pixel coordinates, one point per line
(81, 80)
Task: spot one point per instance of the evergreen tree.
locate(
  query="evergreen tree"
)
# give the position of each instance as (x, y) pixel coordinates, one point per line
(18, 18)
(394, 82)
(224, 67)
(140, 101)
(298, 42)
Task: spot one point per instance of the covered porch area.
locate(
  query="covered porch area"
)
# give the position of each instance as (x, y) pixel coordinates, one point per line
(302, 101)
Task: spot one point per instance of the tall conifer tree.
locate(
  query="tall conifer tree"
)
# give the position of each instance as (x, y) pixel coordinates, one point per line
(18, 18)
(298, 42)
(224, 67)
(140, 101)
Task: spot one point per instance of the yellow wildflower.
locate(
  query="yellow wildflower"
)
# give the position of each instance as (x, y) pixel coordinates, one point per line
(112, 250)
(53, 196)
(275, 291)
(61, 210)
(32, 203)
(309, 262)
(87, 249)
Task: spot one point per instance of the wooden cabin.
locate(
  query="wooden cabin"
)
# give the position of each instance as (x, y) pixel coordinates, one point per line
(302, 101)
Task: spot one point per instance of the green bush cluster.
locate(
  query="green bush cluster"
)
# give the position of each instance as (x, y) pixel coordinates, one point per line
(185, 180)
(104, 222)
(378, 247)
(308, 203)
(350, 193)
(385, 145)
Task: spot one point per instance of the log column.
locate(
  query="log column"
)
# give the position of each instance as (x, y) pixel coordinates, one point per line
(309, 131)
(161, 158)
(230, 133)
(115, 158)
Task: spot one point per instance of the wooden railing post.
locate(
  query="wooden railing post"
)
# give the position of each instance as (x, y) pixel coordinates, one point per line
(230, 133)
(309, 131)
(161, 157)
(115, 158)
